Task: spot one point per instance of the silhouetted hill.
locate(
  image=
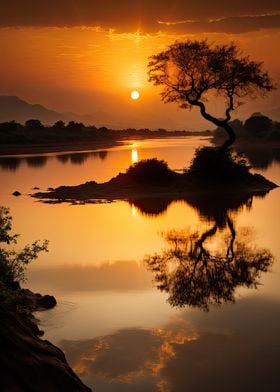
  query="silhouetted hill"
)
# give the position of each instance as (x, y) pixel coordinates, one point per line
(14, 108)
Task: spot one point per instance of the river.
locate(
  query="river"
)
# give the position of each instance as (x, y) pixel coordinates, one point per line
(118, 330)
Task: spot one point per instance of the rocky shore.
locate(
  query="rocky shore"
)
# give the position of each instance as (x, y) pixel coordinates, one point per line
(27, 362)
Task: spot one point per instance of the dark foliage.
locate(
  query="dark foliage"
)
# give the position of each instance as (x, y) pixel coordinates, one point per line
(193, 274)
(150, 171)
(191, 71)
(218, 165)
(33, 132)
(13, 263)
(257, 128)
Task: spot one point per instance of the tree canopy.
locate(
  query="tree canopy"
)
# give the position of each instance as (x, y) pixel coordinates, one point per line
(190, 71)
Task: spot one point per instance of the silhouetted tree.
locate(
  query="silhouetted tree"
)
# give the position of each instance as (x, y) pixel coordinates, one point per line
(13, 263)
(59, 124)
(258, 124)
(32, 124)
(190, 71)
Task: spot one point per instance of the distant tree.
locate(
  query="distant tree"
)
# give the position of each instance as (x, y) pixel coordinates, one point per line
(75, 129)
(236, 125)
(73, 124)
(190, 71)
(59, 124)
(258, 125)
(33, 124)
(103, 129)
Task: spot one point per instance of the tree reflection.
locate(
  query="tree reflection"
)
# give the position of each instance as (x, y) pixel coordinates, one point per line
(102, 155)
(198, 272)
(10, 163)
(37, 161)
(214, 207)
(79, 158)
(151, 207)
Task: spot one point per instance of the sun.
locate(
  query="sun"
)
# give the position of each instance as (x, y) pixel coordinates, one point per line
(134, 95)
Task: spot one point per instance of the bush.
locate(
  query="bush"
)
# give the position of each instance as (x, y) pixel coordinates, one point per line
(13, 263)
(214, 163)
(150, 171)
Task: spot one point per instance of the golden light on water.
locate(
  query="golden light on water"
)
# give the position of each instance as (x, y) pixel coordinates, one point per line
(133, 210)
(134, 155)
(134, 95)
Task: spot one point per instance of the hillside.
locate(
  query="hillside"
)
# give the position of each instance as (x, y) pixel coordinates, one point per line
(14, 108)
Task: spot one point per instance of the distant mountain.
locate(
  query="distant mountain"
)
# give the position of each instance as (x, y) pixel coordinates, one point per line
(14, 108)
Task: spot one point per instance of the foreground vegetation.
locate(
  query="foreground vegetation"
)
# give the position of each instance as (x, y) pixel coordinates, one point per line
(13, 264)
(27, 362)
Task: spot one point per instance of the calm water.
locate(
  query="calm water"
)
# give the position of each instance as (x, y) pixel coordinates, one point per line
(119, 332)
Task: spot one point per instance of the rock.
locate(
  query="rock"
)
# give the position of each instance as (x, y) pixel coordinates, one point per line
(36, 188)
(16, 193)
(29, 363)
(31, 302)
(46, 301)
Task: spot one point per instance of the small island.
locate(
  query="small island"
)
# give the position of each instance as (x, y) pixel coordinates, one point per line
(213, 171)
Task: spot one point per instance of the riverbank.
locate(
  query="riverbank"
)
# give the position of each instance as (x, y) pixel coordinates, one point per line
(27, 362)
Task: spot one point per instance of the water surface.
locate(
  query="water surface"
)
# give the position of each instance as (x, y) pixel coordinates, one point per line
(119, 331)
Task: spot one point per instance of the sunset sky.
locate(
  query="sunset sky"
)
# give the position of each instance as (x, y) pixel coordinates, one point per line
(87, 56)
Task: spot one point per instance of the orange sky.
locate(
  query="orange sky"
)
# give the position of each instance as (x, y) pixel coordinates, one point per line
(89, 60)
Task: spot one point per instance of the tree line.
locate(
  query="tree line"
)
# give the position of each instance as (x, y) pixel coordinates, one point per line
(256, 128)
(33, 131)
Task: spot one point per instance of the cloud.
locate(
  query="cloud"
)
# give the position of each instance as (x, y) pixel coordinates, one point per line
(230, 350)
(129, 16)
(231, 25)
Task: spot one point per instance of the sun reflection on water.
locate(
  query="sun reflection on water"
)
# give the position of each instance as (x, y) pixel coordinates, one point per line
(134, 155)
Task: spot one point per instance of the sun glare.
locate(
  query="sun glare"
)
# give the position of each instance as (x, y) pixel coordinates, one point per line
(134, 94)
(134, 155)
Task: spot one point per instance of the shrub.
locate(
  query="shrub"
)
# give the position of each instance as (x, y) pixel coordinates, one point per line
(13, 263)
(214, 163)
(149, 171)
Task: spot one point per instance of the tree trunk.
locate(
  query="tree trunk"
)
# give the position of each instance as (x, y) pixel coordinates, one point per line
(219, 123)
(231, 135)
